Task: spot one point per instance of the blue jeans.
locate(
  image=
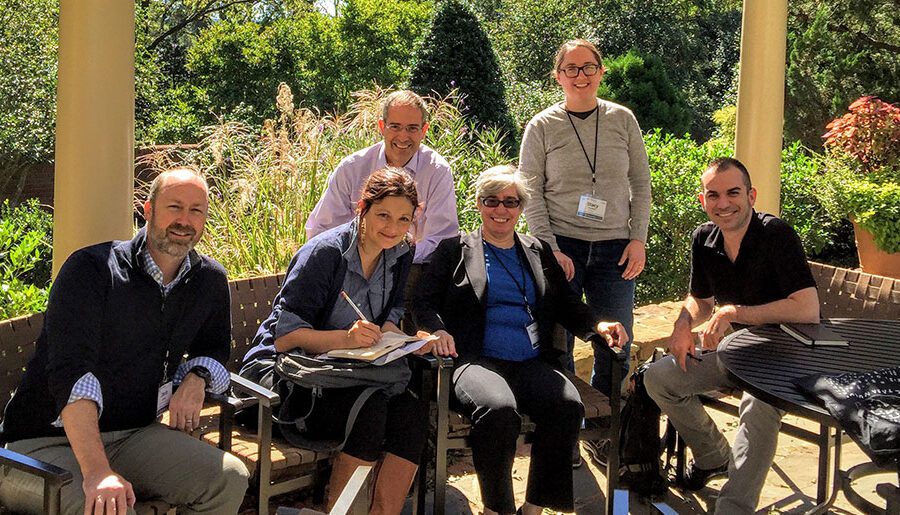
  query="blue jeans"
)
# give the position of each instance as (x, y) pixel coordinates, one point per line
(599, 277)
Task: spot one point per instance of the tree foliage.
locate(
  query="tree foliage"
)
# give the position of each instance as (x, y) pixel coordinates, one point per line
(839, 50)
(698, 43)
(641, 83)
(28, 57)
(322, 58)
(457, 55)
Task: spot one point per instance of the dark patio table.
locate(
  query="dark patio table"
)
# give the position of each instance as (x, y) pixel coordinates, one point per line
(764, 361)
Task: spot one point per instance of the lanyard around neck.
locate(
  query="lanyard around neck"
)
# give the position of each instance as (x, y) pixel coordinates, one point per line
(591, 165)
(522, 288)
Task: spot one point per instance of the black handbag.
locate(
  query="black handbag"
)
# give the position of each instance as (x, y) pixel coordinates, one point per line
(295, 369)
(313, 373)
(867, 405)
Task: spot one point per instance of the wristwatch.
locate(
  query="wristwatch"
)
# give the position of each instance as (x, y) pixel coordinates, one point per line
(202, 373)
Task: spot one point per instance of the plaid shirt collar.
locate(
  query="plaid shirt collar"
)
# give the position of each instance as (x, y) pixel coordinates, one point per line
(153, 269)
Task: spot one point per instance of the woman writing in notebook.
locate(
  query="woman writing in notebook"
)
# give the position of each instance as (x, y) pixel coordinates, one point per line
(368, 258)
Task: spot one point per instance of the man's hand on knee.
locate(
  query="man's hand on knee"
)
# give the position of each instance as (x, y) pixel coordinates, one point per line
(681, 343)
(186, 403)
(107, 493)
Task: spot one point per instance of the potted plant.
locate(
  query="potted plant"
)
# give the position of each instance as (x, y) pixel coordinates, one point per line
(862, 180)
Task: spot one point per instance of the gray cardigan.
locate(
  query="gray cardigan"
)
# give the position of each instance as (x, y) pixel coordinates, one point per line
(552, 161)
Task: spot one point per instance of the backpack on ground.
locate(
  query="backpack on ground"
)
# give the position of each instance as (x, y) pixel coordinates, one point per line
(639, 442)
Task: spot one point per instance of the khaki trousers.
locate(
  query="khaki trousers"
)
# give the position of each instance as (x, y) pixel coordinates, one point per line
(749, 459)
(159, 462)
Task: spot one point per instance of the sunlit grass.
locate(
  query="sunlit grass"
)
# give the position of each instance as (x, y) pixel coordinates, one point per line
(265, 181)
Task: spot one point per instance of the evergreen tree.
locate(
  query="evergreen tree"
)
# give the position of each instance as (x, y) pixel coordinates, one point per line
(641, 83)
(457, 54)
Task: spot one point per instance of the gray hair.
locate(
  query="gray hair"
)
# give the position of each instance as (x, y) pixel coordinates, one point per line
(404, 97)
(497, 178)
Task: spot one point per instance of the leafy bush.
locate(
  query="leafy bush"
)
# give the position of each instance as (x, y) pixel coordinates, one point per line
(527, 99)
(863, 169)
(457, 55)
(641, 83)
(801, 202)
(322, 58)
(25, 250)
(28, 61)
(675, 168)
(265, 183)
(869, 134)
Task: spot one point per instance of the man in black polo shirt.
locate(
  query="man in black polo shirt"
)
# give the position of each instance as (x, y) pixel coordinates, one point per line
(752, 266)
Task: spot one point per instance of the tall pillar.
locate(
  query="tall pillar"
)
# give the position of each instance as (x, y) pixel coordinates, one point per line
(94, 178)
(760, 108)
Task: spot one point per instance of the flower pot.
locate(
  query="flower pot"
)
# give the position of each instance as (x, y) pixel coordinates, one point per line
(873, 260)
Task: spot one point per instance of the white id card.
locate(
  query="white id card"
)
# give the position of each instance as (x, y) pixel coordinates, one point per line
(163, 396)
(591, 207)
(533, 334)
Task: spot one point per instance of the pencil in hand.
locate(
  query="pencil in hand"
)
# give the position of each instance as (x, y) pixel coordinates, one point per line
(354, 306)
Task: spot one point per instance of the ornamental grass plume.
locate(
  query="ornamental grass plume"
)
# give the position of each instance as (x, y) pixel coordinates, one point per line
(265, 182)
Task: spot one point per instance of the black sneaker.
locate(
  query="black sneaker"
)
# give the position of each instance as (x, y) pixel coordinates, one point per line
(695, 478)
(598, 451)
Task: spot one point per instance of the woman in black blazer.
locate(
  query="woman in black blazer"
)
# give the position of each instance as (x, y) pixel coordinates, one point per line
(493, 297)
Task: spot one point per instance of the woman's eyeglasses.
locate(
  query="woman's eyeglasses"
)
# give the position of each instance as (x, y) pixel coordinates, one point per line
(589, 70)
(508, 203)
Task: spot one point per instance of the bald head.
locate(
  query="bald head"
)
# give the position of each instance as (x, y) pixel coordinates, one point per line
(175, 176)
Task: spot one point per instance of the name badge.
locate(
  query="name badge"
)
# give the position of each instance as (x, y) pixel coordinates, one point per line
(533, 334)
(163, 396)
(591, 207)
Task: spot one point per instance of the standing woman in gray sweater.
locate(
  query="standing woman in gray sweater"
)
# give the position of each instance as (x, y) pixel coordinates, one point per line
(586, 162)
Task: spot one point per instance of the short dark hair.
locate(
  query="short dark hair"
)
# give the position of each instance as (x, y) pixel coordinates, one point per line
(389, 181)
(720, 164)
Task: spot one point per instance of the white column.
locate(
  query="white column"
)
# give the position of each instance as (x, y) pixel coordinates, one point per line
(94, 178)
(760, 108)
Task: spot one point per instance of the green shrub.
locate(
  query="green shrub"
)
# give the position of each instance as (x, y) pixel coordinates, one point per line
(25, 258)
(675, 168)
(457, 55)
(28, 62)
(527, 99)
(801, 202)
(877, 208)
(863, 169)
(322, 58)
(641, 83)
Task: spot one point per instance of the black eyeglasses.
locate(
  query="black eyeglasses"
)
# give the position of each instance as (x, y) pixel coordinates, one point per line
(508, 203)
(589, 70)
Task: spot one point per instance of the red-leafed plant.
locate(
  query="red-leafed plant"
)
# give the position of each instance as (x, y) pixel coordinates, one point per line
(869, 134)
(862, 166)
